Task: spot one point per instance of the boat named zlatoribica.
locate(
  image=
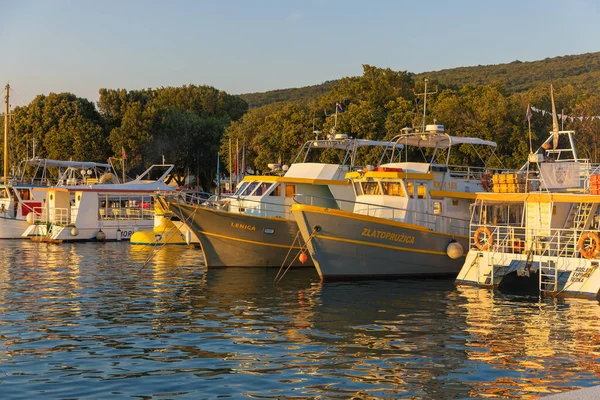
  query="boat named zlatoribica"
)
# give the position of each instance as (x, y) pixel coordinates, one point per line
(254, 227)
(411, 214)
(537, 231)
(90, 211)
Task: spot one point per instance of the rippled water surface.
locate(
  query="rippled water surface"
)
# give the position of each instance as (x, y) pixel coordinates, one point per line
(98, 321)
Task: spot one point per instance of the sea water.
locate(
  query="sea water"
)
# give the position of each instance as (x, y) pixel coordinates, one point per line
(111, 320)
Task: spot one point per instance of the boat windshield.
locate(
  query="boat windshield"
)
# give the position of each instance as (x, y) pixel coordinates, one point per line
(240, 189)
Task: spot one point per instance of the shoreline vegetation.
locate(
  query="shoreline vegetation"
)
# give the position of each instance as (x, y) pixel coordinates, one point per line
(189, 125)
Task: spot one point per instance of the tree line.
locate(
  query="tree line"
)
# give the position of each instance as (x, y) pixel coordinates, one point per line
(378, 104)
(182, 124)
(190, 125)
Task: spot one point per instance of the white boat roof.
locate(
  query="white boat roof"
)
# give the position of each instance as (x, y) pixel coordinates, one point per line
(61, 163)
(138, 184)
(344, 144)
(316, 171)
(442, 140)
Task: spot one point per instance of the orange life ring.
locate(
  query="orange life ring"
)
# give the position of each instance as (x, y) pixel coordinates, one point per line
(483, 243)
(591, 251)
(486, 182)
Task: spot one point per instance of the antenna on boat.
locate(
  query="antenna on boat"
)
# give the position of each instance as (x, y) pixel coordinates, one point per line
(528, 116)
(6, 110)
(315, 131)
(424, 94)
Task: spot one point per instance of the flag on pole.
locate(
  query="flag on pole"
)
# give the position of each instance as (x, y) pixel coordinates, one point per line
(123, 154)
(339, 107)
(244, 159)
(554, 120)
(237, 160)
(529, 114)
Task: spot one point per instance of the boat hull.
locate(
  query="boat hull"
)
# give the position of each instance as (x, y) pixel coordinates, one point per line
(519, 273)
(348, 246)
(111, 231)
(238, 240)
(12, 228)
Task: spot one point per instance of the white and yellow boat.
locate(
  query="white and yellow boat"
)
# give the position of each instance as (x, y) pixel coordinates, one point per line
(539, 234)
(410, 217)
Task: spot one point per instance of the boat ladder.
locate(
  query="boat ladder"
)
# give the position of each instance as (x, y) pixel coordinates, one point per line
(548, 276)
(582, 215)
(577, 222)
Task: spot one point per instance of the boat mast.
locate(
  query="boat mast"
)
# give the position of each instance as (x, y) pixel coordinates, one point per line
(424, 94)
(6, 134)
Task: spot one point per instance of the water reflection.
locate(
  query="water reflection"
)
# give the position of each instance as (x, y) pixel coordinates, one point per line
(99, 319)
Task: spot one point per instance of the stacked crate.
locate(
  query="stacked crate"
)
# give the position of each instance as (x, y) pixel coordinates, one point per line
(509, 183)
(595, 184)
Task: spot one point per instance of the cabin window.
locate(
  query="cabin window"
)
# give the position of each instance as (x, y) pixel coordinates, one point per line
(24, 194)
(249, 189)
(290, 190)
(455, 202)
(357, 189)
(262, 188)
(393, 188)
(410, 188)
(241, 188)
(371, 188)
(3, 194)
(276, 192)
(437, 208)
(421, 191)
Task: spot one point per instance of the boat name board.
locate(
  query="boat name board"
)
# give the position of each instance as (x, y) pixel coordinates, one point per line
(445, 185)
(581, 273)
(237, 225)
(126, 234)
(394, 237)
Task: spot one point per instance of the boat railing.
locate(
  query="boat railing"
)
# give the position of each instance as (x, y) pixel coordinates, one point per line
(65, 216)
(125, 213)
(232, 203)
(431, 221)
(536, 180)
(56, 216)
(474, 173)
(507, 239)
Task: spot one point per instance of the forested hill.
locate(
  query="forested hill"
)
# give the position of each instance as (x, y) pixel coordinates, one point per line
(581, 71)
(303, 94)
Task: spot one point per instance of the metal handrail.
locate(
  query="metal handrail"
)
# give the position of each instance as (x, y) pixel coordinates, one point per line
(420, 218)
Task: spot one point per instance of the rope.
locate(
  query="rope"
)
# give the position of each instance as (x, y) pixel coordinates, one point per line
(303, 248)
(286, 256)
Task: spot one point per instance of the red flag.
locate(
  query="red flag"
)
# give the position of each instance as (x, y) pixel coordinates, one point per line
(123, 155)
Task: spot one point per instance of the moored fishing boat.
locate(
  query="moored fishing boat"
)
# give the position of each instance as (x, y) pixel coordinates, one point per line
(254, 227)
(410, 217)
(98, 211)
(540, 235)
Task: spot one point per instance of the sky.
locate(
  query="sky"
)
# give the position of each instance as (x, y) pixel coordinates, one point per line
(259, 45)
